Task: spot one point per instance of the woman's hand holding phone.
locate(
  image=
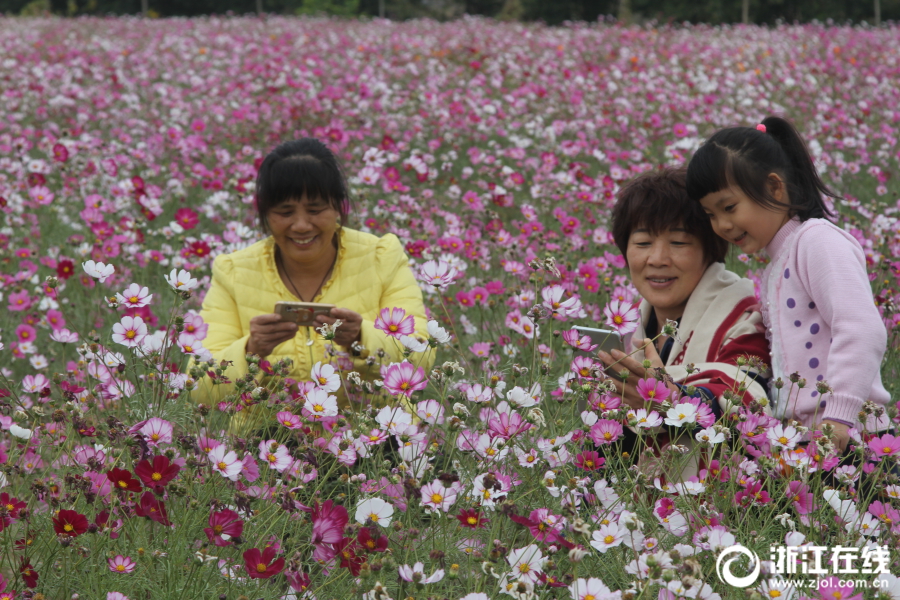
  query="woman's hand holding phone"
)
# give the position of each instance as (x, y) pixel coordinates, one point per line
(267, 332)
(350, 329)
(618, 361)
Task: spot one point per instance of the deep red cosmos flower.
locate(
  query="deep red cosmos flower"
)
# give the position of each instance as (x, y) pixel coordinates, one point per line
(65, 269)
(369, 543)
(157, 474)
(472, 519)
(29, 575)
(152, 508)
(259, 565)
(123, 480)
(346, 551)
(70, 522)
(224, 522)
(11, 505)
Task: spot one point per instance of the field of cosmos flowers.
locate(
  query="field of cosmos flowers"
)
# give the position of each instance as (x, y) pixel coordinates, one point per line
(128, 151)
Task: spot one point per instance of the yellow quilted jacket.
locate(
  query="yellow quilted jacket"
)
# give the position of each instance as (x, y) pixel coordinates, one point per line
(370, 274)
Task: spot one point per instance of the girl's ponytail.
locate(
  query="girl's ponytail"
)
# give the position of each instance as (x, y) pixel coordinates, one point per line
(805, 186)
(744, 157)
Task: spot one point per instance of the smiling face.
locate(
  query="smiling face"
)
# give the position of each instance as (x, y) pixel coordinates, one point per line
(741, 220)
(304, 231)
(665, 269)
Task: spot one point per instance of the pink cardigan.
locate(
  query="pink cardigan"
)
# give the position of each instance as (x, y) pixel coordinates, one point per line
(822, 323)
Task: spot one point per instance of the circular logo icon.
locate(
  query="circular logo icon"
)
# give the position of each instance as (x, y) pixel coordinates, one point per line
(723, 566)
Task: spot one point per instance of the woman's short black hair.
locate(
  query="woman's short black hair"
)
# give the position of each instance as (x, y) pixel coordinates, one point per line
(658, 201)
(304, 167)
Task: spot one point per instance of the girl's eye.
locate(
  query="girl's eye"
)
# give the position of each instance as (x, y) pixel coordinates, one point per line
(730, 207)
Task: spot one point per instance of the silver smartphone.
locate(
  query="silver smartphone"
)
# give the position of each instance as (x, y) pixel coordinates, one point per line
(605, 339)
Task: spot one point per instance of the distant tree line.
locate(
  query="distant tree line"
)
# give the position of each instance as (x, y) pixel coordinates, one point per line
(549, 11)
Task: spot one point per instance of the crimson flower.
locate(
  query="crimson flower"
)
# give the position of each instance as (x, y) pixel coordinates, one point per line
(369, 543)
(472, 519)
(152, 508)
(65, 269)
(29, 575)
(157, 474)
(70, 522)
(123, 480)
(346, 550)
(224, 523)
(259, 565)
(11, 505)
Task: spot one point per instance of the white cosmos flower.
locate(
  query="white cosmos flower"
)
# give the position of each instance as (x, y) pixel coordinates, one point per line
(413, 344)
(439, 334)
(98, 270)
(181, 280)
(376, 510)
(710, 436)
(681, 414)
(20, 432)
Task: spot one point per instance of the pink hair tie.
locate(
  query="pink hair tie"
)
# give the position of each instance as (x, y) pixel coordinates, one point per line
(761, 127)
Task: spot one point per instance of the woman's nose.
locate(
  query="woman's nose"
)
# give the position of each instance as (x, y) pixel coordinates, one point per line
(659, 254)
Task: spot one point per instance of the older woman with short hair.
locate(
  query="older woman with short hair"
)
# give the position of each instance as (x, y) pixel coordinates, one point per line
(677, 265)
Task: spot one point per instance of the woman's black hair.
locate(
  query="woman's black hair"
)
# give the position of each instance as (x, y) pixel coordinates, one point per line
(657, 201)
(743, 157)
(304, 167)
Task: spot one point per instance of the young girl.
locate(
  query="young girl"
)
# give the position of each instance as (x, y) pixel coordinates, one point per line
(762, 193)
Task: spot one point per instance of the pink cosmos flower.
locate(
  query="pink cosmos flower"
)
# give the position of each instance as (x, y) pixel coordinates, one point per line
(580, 342)
(800, 496)
(121, 564)
(430, 411)
(885, 445)
(276, 455)
(605, 431)
(129, 332)
(404, 378)
(157, 431)
(289, 419)
(64, 336)
(589, 461)
(135, 296)
(439, 274)
(225, 462)
(507, 425)
(436, 497)
(319, 405)
(19, 301)
(328, 522)
(833, 588)
(109, 596)
(621, 316)
(224, 526)
(651, 389)
(752, 494)
(395, 322)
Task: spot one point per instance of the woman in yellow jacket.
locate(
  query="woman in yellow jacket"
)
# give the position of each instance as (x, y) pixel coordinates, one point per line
(308, 257)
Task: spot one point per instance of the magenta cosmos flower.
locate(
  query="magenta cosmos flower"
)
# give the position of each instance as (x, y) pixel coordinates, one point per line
(404, 378)
(224, 526)
(885, 445)
(259, 565)
(395, 322)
